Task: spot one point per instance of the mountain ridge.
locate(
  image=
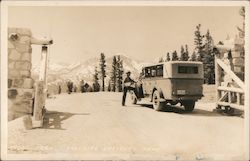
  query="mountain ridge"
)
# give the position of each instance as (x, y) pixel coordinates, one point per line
(78, 71)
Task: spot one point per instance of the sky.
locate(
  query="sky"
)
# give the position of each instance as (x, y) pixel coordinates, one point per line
(141, 32)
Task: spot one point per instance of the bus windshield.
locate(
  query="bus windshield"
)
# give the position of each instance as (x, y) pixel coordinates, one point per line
(154, 71)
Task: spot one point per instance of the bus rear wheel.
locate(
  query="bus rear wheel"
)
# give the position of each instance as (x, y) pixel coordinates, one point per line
(188, 105)
(157, 105)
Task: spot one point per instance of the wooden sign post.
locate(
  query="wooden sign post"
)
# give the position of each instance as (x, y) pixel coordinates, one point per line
(41, 91)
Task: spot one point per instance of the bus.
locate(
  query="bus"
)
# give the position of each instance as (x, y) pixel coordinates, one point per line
(171, 83)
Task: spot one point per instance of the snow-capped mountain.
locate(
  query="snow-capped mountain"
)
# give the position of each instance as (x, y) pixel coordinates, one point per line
(84, 70)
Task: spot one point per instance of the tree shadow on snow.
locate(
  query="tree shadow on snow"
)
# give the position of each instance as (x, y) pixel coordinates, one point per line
(53, 119)
(180, 110)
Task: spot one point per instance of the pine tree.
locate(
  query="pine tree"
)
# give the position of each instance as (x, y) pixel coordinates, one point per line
(186, 53)
(96, 75)
(182, 57)
(174, 56)
(198, 57)
(242, 30)
(208, 59)
(168, 57)
(96, 85)
(193, 57)
(109, 86)
(113, 74)
(119, 73)
(103, 70)
(198, 42)
(208, 46)
(204, 53)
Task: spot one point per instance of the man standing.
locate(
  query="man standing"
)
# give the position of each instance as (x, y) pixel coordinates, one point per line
(59, 89)
(129, 84)
(70, 87)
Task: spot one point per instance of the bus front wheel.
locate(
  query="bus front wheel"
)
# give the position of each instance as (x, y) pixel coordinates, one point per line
(133, 98)
(188, 105)
(157, 105)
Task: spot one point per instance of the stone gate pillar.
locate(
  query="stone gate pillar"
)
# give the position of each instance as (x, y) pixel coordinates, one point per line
(238, 56)
(20, 84)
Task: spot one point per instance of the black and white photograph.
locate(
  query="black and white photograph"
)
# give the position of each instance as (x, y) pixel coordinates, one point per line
(125, 80)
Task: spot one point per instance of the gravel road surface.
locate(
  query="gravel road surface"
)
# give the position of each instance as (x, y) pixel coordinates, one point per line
(96, 126)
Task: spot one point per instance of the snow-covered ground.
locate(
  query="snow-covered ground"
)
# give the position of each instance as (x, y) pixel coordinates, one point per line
(96, 126)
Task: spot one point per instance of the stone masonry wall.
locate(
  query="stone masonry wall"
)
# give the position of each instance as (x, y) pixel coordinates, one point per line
(238, 58)
(20, 83)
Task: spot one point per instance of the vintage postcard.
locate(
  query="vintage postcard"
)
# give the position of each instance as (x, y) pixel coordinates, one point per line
(125, 80)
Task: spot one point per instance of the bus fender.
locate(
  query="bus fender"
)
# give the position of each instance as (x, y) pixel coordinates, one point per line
(160, 92)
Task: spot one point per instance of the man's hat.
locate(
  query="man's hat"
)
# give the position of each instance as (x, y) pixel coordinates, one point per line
(128, 72)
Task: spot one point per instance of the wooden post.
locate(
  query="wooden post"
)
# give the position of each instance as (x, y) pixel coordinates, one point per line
(218, 72)
(238, 98)
(230, 97)
(43, 68)
(39, 100)
(43, 64)
(40, 91)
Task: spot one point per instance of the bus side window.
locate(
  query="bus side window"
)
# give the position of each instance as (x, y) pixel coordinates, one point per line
(153, 71)
(159, 71)
(147, 72)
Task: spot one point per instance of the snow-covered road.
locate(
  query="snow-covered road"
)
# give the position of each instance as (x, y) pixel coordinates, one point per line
(96, 126)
